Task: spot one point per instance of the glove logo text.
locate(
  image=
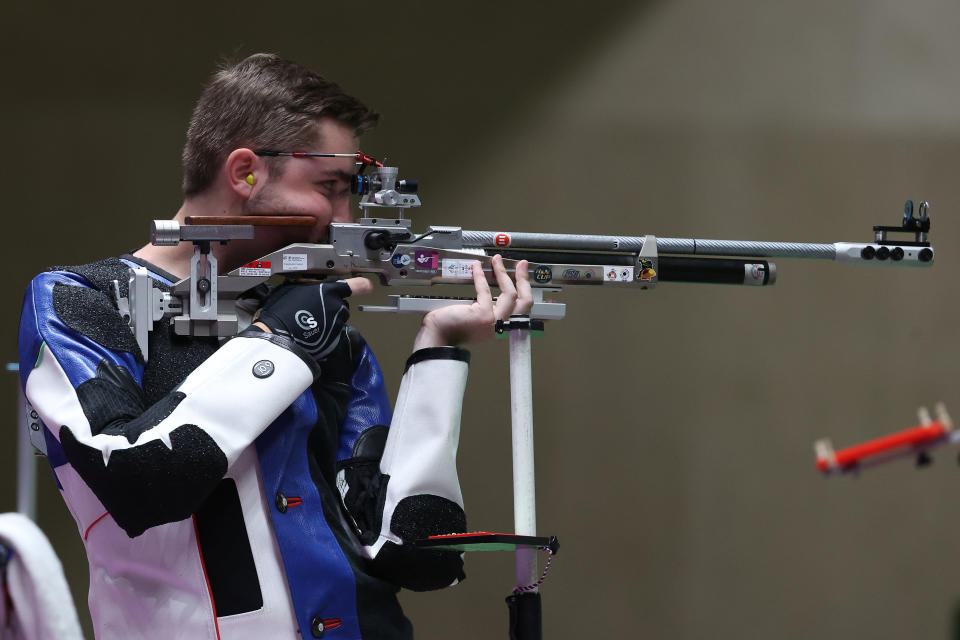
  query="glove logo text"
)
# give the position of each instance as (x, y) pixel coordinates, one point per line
(305, 320)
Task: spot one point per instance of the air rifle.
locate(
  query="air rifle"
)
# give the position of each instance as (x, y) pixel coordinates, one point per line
(382, 242)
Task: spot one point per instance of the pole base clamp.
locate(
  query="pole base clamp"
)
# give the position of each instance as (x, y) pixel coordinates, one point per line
(518, 322)
(525, 614)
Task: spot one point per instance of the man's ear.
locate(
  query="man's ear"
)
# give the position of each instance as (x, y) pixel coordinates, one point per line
(245, 171)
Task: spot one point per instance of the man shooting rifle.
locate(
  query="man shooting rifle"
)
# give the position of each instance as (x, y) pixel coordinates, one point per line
(257, 486)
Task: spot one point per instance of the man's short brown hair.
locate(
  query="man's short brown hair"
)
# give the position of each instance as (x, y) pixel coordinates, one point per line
(262, 102)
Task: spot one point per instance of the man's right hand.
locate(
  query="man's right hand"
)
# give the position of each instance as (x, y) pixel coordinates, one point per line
(312, 314)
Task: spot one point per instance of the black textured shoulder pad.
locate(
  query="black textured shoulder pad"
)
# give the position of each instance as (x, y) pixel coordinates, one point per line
(91, 313)
(102, 273)
(171, 357)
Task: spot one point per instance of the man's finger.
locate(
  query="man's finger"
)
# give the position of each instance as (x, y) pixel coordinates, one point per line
(484, 297)
(508, 293)
(358, 286)
(524, 291)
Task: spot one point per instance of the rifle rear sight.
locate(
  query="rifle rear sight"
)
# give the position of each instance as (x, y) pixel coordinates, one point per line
(384, 190)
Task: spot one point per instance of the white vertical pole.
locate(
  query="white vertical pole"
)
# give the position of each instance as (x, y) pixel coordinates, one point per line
(524, 488)
(26, 462)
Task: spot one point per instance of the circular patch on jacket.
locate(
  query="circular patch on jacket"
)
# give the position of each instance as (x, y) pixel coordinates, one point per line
(263, 369)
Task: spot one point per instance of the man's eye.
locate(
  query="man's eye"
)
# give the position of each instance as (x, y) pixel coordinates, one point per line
(333, 187)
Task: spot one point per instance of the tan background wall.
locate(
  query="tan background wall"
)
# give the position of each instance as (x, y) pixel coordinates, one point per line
(674, 427)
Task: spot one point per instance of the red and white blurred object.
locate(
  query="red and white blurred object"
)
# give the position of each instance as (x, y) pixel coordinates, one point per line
(915, 441)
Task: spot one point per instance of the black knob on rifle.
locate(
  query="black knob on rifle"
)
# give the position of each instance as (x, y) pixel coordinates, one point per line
(377, 240)
(883, 253)
(896, 254)
(926, 255)
(868, 252)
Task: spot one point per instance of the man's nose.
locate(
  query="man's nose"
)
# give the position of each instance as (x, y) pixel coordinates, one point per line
(342, 211)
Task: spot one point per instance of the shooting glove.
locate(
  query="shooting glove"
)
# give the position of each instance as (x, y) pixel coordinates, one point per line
(312, 314)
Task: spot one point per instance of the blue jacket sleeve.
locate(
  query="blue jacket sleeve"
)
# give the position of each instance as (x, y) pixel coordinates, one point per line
(369, 406)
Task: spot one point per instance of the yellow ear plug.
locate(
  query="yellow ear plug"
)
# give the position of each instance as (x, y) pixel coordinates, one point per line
(250, 179)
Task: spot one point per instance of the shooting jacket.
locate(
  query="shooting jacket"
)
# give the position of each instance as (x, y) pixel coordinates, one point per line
(240, 490)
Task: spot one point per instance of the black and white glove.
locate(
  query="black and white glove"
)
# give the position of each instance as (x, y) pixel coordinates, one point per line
(312, 314)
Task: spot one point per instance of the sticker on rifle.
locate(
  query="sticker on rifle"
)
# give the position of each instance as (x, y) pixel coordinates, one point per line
(426, 260)
(502, 240)
(456, 268)
(587, 273)
(542, 274)
(647, 272)
(617, 274)
(258, 268)
(753, 273)
(400, 260)
(294, 262)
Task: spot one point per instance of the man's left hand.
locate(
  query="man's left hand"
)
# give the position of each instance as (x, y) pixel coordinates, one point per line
(462, 324)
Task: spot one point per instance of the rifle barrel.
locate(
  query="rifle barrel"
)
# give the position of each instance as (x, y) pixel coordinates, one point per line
(679, 246)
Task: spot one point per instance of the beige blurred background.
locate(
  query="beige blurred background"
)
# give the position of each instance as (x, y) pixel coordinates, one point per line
(674, 427)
